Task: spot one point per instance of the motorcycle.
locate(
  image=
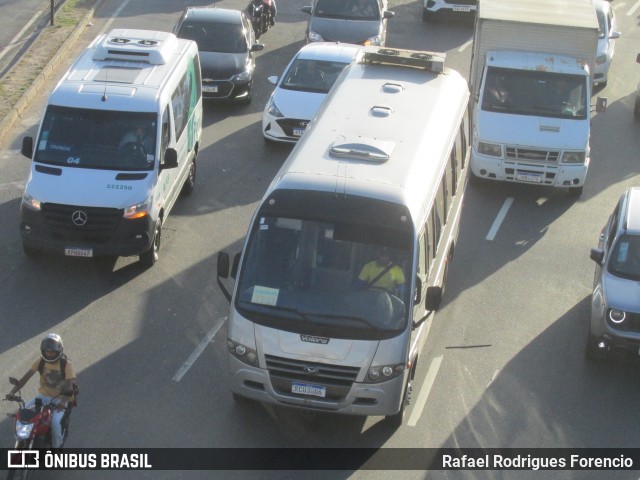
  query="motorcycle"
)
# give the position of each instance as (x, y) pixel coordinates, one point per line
(32, 429)
(260, 15)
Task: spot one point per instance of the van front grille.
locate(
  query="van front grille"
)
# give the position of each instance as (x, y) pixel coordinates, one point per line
(532, 155)
(73, 222)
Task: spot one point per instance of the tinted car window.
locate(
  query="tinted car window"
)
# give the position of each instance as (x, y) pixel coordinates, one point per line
(312, 75)
(215, 37)
(342, 9)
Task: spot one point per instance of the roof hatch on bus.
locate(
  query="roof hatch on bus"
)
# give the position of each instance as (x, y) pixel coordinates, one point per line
(361, 148)
(137, 46)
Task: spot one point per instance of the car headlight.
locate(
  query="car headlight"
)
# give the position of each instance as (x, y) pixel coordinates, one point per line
(573, 157)
(384, 373)
(600, 59)
(617, 316)
(244, 76)
(23, 430)
(138, 210)
(273, 110)
(314, 37)
(489, 149)
(244, 354)
(30, 202)
(375, 40)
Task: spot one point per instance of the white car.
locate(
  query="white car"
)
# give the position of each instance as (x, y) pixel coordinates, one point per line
(607, 34)
(301, 89)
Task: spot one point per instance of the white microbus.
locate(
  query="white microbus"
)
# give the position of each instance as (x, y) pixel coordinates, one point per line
(117, 144)
(347, 254)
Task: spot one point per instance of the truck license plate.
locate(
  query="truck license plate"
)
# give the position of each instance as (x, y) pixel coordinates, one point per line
(527, 177)
(78, 252)
(306, 389)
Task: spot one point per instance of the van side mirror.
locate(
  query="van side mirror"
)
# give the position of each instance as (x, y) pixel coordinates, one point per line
(27, 147)
(223, 265)
(601, 104)
(235, 265)
(433, 298)
(170, 159)
(597, 255)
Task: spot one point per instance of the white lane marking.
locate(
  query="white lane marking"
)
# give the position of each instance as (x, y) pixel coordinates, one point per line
(467, 44)
(19, 34)
(425, 389)
(500, 218)
(634, 8)
(197, 352)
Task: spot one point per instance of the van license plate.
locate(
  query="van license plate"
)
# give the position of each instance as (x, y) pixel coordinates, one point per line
(526, 177)
(78, 252)
(461, 9)
(297, 132)
(306, 389)
(210, 88)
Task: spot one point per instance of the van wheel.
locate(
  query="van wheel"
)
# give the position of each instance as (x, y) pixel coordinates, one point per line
(30, 251)
(150, 257)
(190, 182)
(395, 421)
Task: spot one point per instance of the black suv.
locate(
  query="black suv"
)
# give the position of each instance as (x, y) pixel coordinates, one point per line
(226, 43)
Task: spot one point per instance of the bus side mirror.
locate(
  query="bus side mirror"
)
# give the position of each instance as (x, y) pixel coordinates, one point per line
(597, 255)
(27, 147)
(601, 105)
(433, 298)
(417, 297)
(170, 159)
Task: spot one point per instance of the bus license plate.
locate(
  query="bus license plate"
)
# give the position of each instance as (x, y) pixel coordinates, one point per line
(297, 132)
(210, 88)
(461, 9)
(306, 389)
(78, 252)
(526, 177)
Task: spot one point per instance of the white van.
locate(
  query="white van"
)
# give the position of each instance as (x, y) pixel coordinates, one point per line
(347, 254)
(117, 143)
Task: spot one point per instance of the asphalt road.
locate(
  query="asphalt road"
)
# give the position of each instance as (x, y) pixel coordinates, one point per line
(503, 365)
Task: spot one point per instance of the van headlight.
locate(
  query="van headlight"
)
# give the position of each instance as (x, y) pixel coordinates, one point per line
(243, 353)
(314, 37)
(384, 373)
(573, 157)
(600, 59)
(490, 149)
(138, 210)
(30, 202)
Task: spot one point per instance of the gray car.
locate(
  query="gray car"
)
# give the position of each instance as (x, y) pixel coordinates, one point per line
(363, 22)
(615, 302)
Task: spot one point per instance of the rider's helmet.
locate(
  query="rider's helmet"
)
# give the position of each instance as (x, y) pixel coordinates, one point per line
(51, 342)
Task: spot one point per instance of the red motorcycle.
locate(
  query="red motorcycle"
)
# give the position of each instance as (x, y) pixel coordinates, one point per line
(32, 429)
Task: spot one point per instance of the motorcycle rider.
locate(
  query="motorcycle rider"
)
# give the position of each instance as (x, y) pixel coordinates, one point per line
(53, 381)
(268, 4)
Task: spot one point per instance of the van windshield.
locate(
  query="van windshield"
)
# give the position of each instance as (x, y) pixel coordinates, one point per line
(101, 139)
(306, 275)
(536, 93)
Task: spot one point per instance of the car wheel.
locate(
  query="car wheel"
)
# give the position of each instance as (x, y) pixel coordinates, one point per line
(190, 182)
(150, 257)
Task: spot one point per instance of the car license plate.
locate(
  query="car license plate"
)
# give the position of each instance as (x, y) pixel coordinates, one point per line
(461, 9)
(306, 389)
(527, 177)
(210, 88)
(78, 252)
(297, 132)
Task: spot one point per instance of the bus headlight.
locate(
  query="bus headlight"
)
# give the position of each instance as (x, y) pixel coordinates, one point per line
(490, 149)
(573, 157)
(384, 373)
(244, 354)
(30, 202)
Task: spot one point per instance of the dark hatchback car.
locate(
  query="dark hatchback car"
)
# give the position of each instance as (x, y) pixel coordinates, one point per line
(226, 43)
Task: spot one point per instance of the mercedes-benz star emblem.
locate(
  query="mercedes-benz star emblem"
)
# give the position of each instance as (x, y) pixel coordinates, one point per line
(79, 218)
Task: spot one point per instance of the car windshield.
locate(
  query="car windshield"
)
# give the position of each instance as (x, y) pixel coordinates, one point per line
(348, 9)
(312, 75)
(215, 37)
(300, 273)
(536, 93)
(103, 139)
(625, 257)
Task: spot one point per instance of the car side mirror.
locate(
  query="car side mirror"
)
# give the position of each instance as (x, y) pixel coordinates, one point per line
(615, 35)
(256, 47)
(273, 79)
(597, 255)
(388, 14)
(27, 147)
(433, 298)
(170, 159)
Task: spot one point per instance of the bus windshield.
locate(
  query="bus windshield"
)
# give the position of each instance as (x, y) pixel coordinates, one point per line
(303, 275)
(102, 139)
